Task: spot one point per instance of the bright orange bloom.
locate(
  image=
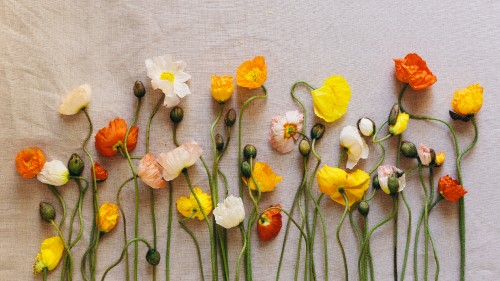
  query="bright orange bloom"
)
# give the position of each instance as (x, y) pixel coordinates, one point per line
(108, 139)
(450, 189)
(413, 69)
(252, 73)
(101, 174)
(269, 224)
(29, 162)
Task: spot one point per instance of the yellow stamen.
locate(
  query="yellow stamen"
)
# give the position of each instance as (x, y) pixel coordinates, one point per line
(167, 75)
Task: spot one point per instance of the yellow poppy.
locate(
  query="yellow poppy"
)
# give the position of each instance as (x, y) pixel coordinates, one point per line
(222, 88)
(50, 254)
(108, 217)
(469, 100)
(252, 73)
(401, 123)
(265, 177)
(189, 207)
(331, 99)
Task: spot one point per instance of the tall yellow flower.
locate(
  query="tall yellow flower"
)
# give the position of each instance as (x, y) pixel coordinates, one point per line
(189, 207)
(401, 123)
(108, 217)
(252, 73)
(222, 87)
(50, 254)
(265, 177)
(332, 180)
(331, 99)
(469, 100)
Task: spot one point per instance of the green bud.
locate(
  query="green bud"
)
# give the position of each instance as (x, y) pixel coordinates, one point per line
(393, 116)
(230, 118)
(393, 183)
(433, 157)
(249, 151)
(75, 165)
(219, 142)
(153, 257)
(408, 149)
(139, 90)
(317, 131)
(47, 211)
(305, 147)
(364, 208)
(176, 114)
(375, 182)
(246, 170)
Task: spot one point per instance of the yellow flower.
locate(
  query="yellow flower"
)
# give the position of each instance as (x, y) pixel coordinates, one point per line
(50, 253)
(331, 99)
(331, 180)
(469, 100)
(401, 123)
(188, 207)
(440, 157)
(252, 74)
(265, 177)
(108, 217)
(222, 87)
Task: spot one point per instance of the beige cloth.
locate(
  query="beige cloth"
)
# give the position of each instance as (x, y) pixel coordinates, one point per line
(50, 47)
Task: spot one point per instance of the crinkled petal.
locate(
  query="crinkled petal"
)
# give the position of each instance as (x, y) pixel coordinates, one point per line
(181, 89)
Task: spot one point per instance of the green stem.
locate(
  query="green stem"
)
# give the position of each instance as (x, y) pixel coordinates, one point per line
(44, 274)
(339, 226)
(408, 237)
(242, 252)
(426, 223)
(251, 220)
(169, 232)
(61, 201)
(137, 239)
(193, 236)
(125, 239)
(380, 161)
(68, 250)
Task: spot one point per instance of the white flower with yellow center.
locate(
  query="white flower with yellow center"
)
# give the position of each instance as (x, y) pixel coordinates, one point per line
(54, 173)
(355, 145)
(169, 76)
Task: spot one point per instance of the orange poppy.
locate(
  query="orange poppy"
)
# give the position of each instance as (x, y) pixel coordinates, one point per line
(110, 138)
(450, 189)
(29, 162)
(252, 73)
(269, 224)
(413, 70)
(101, 174)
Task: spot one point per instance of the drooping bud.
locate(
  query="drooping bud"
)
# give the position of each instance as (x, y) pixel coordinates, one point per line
(408, 149)
(305, 147)
(393, 183)
(230, 118)
(219, 142)
(153, 257)
(139, 90)
(393, 115)
(364, 208)
(176, 114)
(375, 182)
(317, 131)
(75, 165)
(246, 170)
(249, 151)
(366, 126)
(47, 211)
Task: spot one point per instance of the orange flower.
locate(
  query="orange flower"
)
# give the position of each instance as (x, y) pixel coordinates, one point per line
(100, 173)
(108, 139)
(252, 73)
(413, 69)
(450, 189)
(269, 224)
(29, 162)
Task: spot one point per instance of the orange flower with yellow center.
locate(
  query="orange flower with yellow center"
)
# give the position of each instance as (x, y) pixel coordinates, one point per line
(413, 70)
(222, 87)
(450, 189)
(110, 138)
(29, 162)
(264, 176)
(252, 73)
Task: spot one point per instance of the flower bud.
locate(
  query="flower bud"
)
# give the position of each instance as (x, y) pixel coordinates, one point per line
(305, 147)
(230, 118)
(456, 116)
(75, 165)
(408, 149)
(139, 90)
(47, 211)
(176, 114)
(317, 131)
(375, 182)
(366, 126)
(433, 157)
(393, 116)
(393, 183)
(246, 170)
(153, 257)
(440, 157)
(219, 142)
(249, 151)
(364, 208)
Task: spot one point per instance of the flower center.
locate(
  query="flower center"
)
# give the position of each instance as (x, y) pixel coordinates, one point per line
(253, 74)
(290, 129)
(167, 75)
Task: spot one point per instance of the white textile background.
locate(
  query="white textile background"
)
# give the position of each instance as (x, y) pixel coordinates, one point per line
(49, 47)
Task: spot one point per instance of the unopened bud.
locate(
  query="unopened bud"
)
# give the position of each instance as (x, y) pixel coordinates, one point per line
(317, 131)
(153, 257)
(393, 116)
(364, 208)
(219, 142)
(366, 126)
(75, 165)
(249, 151)
(305, 147)
(375, 182)
(408, 149)
(47, 211)
(433, 157)
(139, 90)
(176, 114)
(246, 170)
(393, 183)
(230, 118)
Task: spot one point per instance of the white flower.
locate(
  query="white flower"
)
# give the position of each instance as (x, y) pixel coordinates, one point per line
(54, 173)
(425, 155)
(229, 213)
(169, 76)
(76, 100)
(282, 135)
(383, 177)
(355, 145)
(366, 126)
(174, 161)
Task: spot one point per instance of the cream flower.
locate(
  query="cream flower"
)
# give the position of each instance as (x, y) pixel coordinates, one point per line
(76, 100)
(229, 213)
(384, 172)
(169, 76)
(425, 155)
(366, 126)
(150, 171)
(355, 145)
(174, 161)
(54, 173)
(282, 135)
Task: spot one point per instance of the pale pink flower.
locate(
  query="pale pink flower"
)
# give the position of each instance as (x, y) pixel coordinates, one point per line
(384, 172)
(174, 161)
(150, 171)
(282, 135)
(425, 155)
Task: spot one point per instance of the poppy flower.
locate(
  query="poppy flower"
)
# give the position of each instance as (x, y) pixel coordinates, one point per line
(385, 174)
(109, 139)
(54, 173)
(174, 161)
(283, 131)
(413, 70)
(252, 74)
(269, 224)
(331, 100)
(222, 87)
(229, 213)
(50, 254)
(150, 172)
(264, 176)
(356, 146)
(108, 216)
(468, 101)
(189, 207)
(440, 157)
(101, 174)
(401, 124)
(76, 100)
(450, 189)
(29, 162)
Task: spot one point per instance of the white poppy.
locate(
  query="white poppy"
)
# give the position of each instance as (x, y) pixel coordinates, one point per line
(54, 173)
(229, 213)
(366, 126)
(384, 172)
(76, 100)
(282, 135)
(174, 161)
(425, 155)
(355, 145)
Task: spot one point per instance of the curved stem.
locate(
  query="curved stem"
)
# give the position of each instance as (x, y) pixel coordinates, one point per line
(242, 252)
(68, 250)
(118, 202)
(292, 93)
(408, 237)
(150, 120)
(61, 201)
(193, 236)
(380, 161)
(338, 233)
(137, 239)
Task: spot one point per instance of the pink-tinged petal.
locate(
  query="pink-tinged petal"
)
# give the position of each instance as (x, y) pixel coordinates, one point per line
(174, 161)
(150, 171)
(281, 135)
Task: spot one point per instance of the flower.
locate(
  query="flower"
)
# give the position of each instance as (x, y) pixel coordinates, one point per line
(425, 155)
(150, 171)
(174, 161)
(450, 189)
(76, 100)
(269, 224)
(54, 173)
(331, 100)
(190, 208)
(413, 69)
(108, 217)
(401, 123)
(384, 174)
(468, 100)
(440, 157)
(169, 76)
(264, 176)
(366, 126)
(355, 145)
(110, 138)
(222, 87)
(29, 162)
(101, 174)
(332, 181)
(50, 254)
(252, 74)
(282, 135)
(229, 213)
